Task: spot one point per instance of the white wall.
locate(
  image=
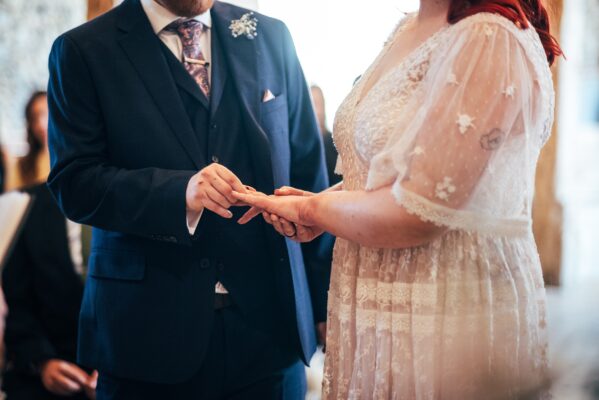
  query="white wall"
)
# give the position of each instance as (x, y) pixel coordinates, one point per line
(251, 4)
(336, 40)
(578, 164)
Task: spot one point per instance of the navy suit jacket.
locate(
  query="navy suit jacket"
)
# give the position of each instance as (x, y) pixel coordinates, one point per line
(123, 150)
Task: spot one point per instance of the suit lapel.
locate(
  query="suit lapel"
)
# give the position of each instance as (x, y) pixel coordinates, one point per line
(142, 46)
(241, 55)
(219, 73)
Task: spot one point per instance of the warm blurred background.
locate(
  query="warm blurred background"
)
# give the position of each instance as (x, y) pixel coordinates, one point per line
(334, 39)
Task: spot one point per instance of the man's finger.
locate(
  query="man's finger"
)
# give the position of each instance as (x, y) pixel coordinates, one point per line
(215, 208)
(218, 198)
(223, 187)
(231, 179)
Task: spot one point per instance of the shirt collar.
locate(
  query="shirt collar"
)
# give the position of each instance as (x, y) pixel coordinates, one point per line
(160, 17)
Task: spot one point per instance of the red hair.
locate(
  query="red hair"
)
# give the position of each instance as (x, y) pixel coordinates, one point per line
(520, 12)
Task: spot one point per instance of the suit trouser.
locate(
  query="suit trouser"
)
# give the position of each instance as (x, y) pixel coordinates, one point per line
(241, 364)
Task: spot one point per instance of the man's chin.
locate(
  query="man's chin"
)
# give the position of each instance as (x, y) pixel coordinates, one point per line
(193, 13)
(187, 8)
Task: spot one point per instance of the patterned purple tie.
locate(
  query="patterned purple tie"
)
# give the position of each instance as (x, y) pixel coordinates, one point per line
(190, 31)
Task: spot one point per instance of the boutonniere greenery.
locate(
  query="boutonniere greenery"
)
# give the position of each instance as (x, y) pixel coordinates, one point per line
(244, 26)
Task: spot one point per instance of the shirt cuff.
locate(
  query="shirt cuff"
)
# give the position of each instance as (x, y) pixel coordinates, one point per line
(193, 219)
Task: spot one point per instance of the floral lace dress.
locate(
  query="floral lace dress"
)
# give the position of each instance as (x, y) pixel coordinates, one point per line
(454, 132)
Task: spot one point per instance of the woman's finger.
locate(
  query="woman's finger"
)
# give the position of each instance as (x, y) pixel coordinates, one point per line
(249, 215)
(266, 217)
(283, 207)
(251, 199)
(291, 191)
(303, 234)
(276, 223)
(239, 203)
(288, 228)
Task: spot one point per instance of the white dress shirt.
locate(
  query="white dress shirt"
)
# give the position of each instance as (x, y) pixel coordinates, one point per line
(75, 245)
(160, 18)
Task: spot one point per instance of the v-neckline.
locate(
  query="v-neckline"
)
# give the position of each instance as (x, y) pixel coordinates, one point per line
(362, 93)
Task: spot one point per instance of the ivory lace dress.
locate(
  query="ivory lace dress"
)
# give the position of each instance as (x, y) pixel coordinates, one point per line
(454, 132)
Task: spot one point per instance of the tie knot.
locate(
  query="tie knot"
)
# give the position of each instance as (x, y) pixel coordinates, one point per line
(189, 30)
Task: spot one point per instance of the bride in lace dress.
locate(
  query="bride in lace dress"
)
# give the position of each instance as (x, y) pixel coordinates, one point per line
(436, 289)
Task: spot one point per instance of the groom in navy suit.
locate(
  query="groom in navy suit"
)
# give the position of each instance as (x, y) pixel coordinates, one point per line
(159, 109)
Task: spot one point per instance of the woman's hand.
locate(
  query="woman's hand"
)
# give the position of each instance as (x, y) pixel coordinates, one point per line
(292, 208)
(296, 232)
(290, 221)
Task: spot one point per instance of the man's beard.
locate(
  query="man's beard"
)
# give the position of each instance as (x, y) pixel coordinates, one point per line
(187, 8)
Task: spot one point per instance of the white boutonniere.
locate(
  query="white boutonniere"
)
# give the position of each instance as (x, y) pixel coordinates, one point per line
(244, 26)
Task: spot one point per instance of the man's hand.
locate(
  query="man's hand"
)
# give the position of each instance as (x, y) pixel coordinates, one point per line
(90, 386)
(63, 378)
(212, 188)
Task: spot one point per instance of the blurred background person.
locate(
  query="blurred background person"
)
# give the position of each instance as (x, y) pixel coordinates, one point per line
(43, 282)
(34, 167)
(3, 312)
(329, 146)
(2, 171)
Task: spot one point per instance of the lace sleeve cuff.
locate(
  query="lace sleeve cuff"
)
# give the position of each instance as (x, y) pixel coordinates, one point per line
(437, 214)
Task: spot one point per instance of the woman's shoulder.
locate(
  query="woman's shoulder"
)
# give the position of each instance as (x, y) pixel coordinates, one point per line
(487, 23)
(401, 24)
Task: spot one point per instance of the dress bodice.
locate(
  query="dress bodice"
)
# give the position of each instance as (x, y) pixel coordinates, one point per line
(380, 123)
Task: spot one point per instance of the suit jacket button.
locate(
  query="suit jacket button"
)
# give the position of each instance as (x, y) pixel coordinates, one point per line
(215, 159)
(221, 266)
(204, 263)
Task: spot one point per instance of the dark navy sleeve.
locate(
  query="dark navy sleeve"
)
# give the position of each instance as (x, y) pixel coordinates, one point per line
(148, 202)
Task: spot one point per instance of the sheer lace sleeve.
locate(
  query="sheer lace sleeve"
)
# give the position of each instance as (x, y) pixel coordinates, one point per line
(470, 120)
